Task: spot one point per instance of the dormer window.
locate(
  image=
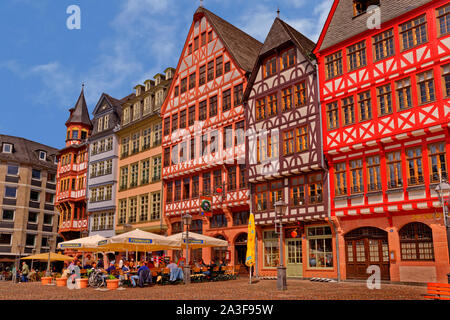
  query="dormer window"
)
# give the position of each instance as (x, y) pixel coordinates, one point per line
(43, 155)
(75, 134)
(7, 148)
(361, 6)
(83, 135)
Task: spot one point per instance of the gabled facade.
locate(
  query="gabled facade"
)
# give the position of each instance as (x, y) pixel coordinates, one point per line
(284, 156)
(103, 166)
(139, 197)
(71, 174)
(203, 124)
(385, 108)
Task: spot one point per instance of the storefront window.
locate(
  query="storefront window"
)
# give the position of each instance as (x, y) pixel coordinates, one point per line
(320, 248)
(271, 252)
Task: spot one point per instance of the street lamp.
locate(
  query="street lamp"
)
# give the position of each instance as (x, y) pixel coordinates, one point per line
(280, 209)
(443, 190)
(19, 246)
(33, 252)
(187, 220)
(50, 243)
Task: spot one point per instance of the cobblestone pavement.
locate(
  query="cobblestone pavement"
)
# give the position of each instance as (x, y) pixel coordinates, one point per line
(238, 289)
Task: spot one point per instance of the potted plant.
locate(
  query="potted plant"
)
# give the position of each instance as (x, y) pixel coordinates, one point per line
(112, 283)
(83, 281)
(61, 282)
(46, 280)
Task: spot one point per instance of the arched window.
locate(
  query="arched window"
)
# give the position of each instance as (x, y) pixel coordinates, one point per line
(416, 242)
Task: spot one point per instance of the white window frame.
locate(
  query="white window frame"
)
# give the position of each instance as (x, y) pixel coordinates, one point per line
(8, 197)
(44, 155)
(13, 165)
(47, 224)
(14, 215)
(29, 245)
(7, 145)
(10, 242)
(39, 195)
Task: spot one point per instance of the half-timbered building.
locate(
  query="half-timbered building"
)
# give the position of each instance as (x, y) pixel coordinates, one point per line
(71, 174)
(384, 89)
(284, 156)
(201, 115)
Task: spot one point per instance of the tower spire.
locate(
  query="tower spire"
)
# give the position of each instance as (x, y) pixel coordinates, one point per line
(201, 3)
(278, 12)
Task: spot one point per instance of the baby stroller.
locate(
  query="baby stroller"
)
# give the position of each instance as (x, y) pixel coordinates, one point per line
(96, 279)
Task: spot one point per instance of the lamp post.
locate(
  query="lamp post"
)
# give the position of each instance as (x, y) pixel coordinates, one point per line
(50, 242)
(280, 208)
(19, 246)
(33, 252)
(443, 190)
(187, 220)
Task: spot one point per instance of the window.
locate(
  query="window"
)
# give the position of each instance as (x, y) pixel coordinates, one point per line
(83, 135)
(261, 197)
(7, 148)
(286, 99)
(332, 115)
(186, 188)
(333, 65)
(145, 171)
(146, 134)
(174, 122)
(320, 249)
(287, 59)
(195, 43)
(239, 133)
(231, 173)
(122, 211)
(348, 111)
(166, 157)
(134, 175)
(36, 174)
(227, 137)
(242, 177)
(414, 161)
(438, 166)
(213, 106)
(219, 66)
(192, 148)
(125, 147)
(361, 6)
(192, 81)
(413, 32)
(261, 148)
(356, 55)
(271, 249)
(394, 169)
(404, 93)
(8, 215)
(238, 94)
(270, 67)
(191, 119)
(48, 219)
(443, 19)
(13, 170)
(217, 180)
(213, 142)
(218, 221)
(210, 36)
(166, 126)
(202, 111)
(272, 105)
(301, 139)
(156, 206)
(203, 39)
(132, 210)
(373, 173)
(297, 191)
(195, 186)
(156, 169)
(5, 239)
(260, 109)
(49, 197)
(300, 94)
(169, 192)
(416, 242)
(190, 49)
(446, 80)
(109, 144)
(143, 214)
(10, 192)
(51, 177)
(210, 71)
(106, 122)
(383, 45)
(340, 178)
(356, 176)
(177, 190)
(227, 67)
(183, 85)
(365, 106)
(226, 103)
(384, 97)
(276, 193)
(240, 218)
(43, 155)
(33, 217)
(177, 91)
(183, 119)
(288, 142)
(206, 178)
(204, 148)
(315, 188)
(123, 178)
(425, 87)
(30, 240)
(202, 76)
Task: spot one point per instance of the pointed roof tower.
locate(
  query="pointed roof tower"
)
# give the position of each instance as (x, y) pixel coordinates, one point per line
(80, 114)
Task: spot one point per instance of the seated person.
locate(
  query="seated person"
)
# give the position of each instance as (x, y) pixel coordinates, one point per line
(88, 262)
(210, 268)
(32, 276)
(181, 262)
(125, 271)
(143, 271)
(176, 273)
(108, 271)
(222, 264)
(150, 264)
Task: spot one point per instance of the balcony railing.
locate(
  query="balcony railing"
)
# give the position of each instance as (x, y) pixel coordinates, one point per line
(357, 189)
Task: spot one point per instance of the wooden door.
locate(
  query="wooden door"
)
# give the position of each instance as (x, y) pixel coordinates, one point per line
(294, 266)
(365, 247)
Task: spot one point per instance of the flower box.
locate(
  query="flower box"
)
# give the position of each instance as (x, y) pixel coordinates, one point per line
(112, 284)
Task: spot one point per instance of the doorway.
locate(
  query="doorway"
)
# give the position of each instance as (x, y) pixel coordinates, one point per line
(365, 247)
(294, 265)
(240, 248)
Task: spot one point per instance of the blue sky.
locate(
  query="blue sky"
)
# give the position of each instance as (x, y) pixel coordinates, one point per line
(120, 44)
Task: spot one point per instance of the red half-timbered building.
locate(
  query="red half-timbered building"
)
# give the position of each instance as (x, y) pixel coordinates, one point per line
(71, 174)
(384, 89)
(285, 159)
(203, 135)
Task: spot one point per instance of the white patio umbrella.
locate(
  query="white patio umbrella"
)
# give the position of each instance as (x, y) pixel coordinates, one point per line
(83, 244)
(138, 240)
(197, 241)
